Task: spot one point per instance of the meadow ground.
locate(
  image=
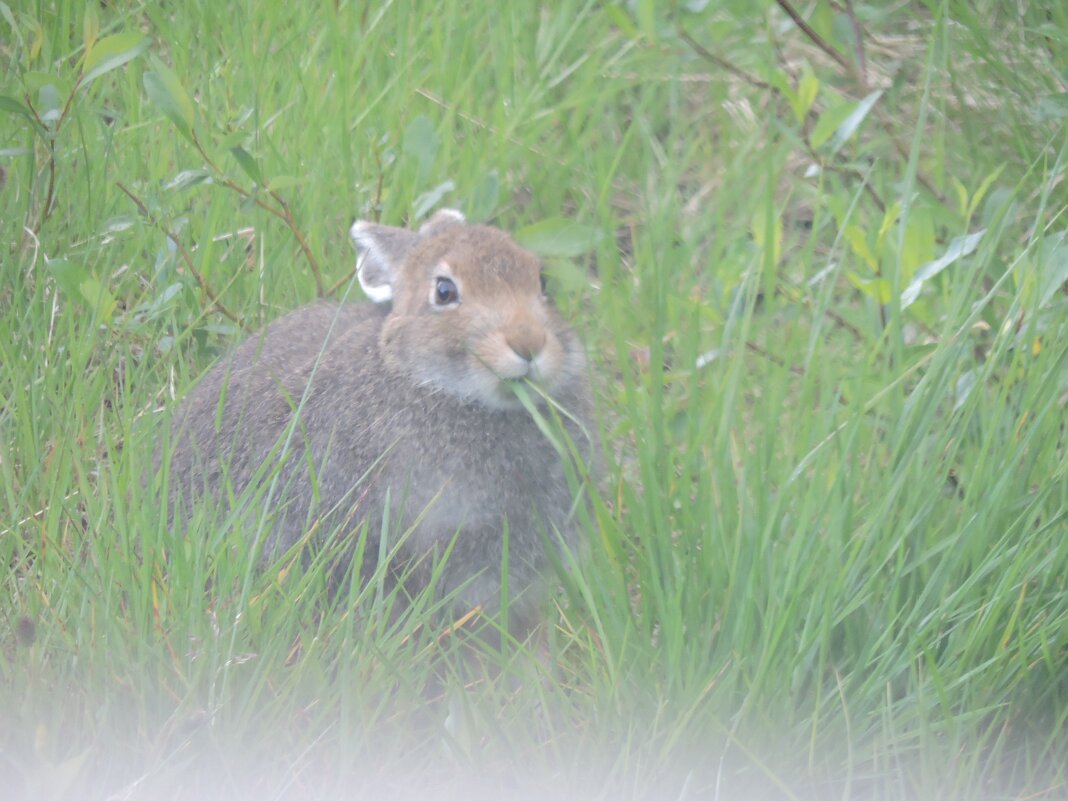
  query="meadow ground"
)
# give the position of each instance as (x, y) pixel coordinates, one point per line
(818, 253)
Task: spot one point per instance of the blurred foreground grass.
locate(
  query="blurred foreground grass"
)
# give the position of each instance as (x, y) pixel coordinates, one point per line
(821, 274)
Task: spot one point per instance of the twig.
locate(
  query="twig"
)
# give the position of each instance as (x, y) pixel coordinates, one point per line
(793, 368)
(707, 54)
(903, 151)
(341, 282)
(858, 39)
(702, 51)
(859, 77)
(282, 212)
(291, 222)
(852, 172)
(818, 40)
(186, 258)
(46, 209)
(487, 127)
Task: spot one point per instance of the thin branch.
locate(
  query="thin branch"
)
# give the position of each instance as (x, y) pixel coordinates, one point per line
(46, 209)
(793, 368)
(487, 127)
(818, 40)
(341, 282)
(858, 76)
(291, 222)
(187, 259)
(858, 39)
(283, 212)
(708, 55)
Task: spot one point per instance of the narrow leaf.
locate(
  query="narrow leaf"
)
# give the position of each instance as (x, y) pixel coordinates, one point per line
(482, 202)
(621, 19)
(166, 91)
(960, 247)
(248, 164)
(90, 25)
(853, 121)
(984, 187)
(421, 142)
(1054, 275)
(81, 287)
(188, 178)
(807, 89)
(33, 80)
(49, 103)
(13, 106)
(428, 200)
(112, 52)
(646, 11)
(829, 122)
(558, 237)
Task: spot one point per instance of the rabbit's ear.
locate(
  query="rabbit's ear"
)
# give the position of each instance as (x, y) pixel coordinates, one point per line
(380, 253)
(440, 221)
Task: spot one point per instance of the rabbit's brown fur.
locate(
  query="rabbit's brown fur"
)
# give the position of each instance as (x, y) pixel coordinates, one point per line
(408, 397)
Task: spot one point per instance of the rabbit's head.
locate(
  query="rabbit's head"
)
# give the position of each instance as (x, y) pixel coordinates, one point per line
(468, 312)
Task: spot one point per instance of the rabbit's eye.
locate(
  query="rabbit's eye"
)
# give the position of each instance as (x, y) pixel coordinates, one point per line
(446, 292)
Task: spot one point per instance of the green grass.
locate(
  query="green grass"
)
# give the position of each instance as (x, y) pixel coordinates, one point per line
(830, 554)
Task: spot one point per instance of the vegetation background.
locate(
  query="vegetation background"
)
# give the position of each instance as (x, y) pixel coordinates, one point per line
(817, 250)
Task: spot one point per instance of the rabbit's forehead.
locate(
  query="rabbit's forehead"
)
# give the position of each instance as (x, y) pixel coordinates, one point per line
(504, 265)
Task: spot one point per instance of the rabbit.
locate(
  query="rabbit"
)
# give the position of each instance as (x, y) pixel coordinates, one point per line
(401, 409)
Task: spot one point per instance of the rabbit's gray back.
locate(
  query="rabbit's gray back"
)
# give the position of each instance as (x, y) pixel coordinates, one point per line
(400, 414)
(360, 430)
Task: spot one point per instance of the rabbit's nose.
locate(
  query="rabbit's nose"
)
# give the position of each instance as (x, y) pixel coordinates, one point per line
(526, 341)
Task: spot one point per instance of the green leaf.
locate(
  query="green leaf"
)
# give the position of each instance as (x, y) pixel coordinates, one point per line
(621, 19)
(231, 140)
(1051, 107)
(858, 241)
(188, 178)
(557, 236)
(890, 217)
(49, 103)
(421, 142)
(962, 195)
(5, 12)
(33, 80)
(960, 247)
(110, 53)
(1054, 267)
(13, 106)
(428, 200)
(248, 164)
(829, 122)
(90, 25)
(758, 228)
(807, 88)
(166, 91)
(83, 288)
(918, 243)
(852, 122)
(646, 11)
(980, 193)
(877, 288)
(482, 202)
(566, 276)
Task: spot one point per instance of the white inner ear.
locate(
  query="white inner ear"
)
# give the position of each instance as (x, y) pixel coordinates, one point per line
(369, 266)
(377, 293)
